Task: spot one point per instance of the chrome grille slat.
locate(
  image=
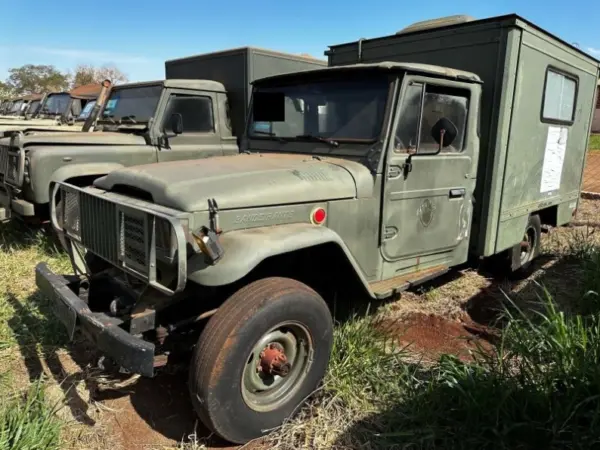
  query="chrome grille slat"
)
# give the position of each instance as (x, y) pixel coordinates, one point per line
(129, 235)
(99, 227)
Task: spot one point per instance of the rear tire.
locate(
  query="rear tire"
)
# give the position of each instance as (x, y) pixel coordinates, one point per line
(522, 255)
(233, 384)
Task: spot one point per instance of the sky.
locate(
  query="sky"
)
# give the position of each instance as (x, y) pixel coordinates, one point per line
(138, 37)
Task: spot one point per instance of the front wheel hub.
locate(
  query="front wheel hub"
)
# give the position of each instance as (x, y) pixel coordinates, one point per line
(273, 360)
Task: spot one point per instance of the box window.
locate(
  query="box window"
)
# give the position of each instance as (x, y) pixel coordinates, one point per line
(560, 92)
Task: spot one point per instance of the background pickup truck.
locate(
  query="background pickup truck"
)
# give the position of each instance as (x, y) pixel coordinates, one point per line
(198, 114)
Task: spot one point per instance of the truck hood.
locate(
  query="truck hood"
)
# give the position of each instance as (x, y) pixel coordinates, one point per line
(243, 181)
(78, 138)
(19, 121)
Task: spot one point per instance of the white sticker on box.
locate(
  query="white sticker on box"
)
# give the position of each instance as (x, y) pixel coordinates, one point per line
(554, 157)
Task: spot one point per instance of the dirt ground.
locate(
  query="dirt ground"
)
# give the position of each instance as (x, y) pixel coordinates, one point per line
(449, 315)
(591, 175)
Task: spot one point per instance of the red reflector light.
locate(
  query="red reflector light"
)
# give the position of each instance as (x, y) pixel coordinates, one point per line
(318, 216)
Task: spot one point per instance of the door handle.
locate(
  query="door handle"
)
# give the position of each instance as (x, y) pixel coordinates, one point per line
(457, 193)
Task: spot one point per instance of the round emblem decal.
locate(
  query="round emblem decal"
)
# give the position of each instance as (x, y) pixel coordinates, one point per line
(426, 212)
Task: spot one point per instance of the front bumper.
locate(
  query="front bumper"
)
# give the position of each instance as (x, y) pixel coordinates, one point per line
(10, 207)
(131, 353)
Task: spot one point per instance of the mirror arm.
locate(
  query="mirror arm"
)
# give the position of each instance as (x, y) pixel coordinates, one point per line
(442, 132)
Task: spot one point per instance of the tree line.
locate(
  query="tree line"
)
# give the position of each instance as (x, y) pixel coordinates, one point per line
(39, 78)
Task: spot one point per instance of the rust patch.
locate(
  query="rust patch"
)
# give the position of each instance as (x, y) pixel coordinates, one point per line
(273, 360)
(218, 368)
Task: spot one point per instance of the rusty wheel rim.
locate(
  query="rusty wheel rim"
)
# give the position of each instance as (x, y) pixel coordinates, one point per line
(527, 245)
(266, 384)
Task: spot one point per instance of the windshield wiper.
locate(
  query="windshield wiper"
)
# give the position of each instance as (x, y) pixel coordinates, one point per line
(312, 137)
(266, 133)
(269, 133)
(129, 117)
(109, 117)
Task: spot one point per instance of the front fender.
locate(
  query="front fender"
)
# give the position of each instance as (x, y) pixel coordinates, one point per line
(42, 189)
(245, 249)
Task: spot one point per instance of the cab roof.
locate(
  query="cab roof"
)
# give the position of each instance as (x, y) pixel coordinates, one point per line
(428, 69)
(200, 85)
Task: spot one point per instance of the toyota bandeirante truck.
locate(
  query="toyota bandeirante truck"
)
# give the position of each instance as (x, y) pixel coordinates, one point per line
(57, 111)
(24, 106)
(374, 176)
(197, 112)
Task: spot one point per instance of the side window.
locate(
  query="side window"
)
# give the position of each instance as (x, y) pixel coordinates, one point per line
(76, 107)
(196, 111)
(560, 91)
(423, 105)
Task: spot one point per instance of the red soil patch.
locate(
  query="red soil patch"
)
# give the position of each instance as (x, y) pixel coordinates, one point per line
(431, 336)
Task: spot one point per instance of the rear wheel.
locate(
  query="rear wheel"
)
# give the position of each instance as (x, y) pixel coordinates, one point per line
(259, 357)
(521, 256)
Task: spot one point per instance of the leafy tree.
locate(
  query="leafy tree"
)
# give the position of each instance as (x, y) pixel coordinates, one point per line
(31, 78)
(5, 91)
(87, 74)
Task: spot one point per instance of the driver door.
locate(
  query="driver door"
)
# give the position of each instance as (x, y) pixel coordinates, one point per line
(201, 135)
(428, 204)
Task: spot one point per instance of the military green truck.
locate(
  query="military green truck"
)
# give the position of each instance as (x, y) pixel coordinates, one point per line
(21, 107)
(57, 111)
(197, 112)
(373, 177)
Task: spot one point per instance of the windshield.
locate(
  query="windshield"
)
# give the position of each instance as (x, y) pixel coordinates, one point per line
(85, 113)
(337, 109)
(138, 104)
(56, 104)
(16, 107)
(33, 106)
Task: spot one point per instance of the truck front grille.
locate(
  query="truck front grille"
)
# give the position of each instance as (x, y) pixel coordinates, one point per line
(9, 165)
(119, 234)
(3, 161)
(12, 174)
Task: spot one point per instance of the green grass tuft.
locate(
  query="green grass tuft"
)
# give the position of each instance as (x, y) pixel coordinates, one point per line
(594, 143)
(29, 423)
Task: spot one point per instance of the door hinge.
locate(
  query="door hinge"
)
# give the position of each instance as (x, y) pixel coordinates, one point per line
(390, 233)
(394, 171)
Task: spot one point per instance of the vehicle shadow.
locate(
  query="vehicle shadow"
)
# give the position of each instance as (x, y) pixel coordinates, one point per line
(428, 415)
(558, 278)
(32, 331)
(18, 235)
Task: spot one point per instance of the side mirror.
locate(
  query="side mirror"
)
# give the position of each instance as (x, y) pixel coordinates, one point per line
(177, 123)
(444, 132)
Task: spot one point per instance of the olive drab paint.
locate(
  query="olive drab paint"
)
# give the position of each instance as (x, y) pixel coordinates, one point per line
(514, 58)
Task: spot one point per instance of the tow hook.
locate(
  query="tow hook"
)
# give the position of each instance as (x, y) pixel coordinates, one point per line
(273, 361)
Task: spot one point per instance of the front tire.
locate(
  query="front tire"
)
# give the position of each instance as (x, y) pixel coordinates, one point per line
(240, 384)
